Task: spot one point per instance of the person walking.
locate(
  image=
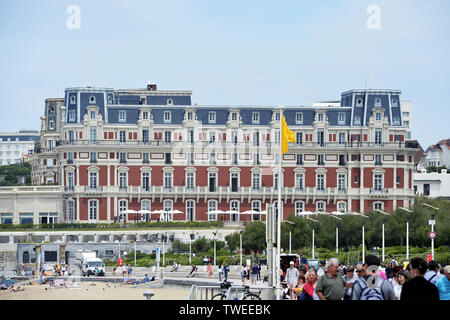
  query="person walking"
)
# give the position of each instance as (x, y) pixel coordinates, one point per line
(129, 270)
(220, 272)
(210, 271)
(254, 272)
(292, 275)
(322, 268)
(309, 288)
(331, 285)
(433, 274)
(226, 269)
(372, 286)
(418, 288)
(350, 277)
(243, 273)
(443, 284)
(259, 271)
(402, 277)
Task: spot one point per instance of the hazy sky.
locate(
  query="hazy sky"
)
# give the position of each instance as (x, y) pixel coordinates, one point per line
(228, 52)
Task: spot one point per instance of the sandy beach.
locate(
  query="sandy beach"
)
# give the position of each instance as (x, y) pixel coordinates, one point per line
(99, 291)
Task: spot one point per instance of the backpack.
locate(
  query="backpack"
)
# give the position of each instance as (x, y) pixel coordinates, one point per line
(371, 293)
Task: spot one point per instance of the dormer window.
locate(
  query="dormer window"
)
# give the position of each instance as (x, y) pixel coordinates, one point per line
(109, 99)
(396, 121)
(320, 117)
(359, 102)
(377, 102)
(378, 116)
(211, 117)
(299, 117)
(72, 115)
(357, 120)
(73, 99)
(255, 117)
(167, 116)
(91, 99)
(394, 102)
(341, 118)
(189, 116)
(234, 116)
(169, 101)
(277, 116)
(145, 115)
(122, 116)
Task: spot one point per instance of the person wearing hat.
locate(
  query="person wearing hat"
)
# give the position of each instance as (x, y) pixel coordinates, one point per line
(443, 284)
(291, 275)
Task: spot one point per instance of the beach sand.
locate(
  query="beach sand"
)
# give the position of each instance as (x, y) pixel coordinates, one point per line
(98, 292)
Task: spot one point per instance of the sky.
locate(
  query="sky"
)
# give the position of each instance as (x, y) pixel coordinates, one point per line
(228, 52)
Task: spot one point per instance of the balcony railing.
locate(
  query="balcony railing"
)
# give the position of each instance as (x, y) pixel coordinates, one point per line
(379, 190)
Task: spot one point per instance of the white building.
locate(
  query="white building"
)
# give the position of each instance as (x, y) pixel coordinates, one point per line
(438, 154)
(16, 145)
(407, 117)
(432, 184)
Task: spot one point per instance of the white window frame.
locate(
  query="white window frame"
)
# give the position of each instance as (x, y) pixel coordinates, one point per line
(378, 205)
(324, 181)
(72, 115)
(299, 187)
(339, 206)
(146, 204)
(212, 117)
(93, 211)
(190, 180)
(319, 203)
(168, 204)
(255, 117)
(299, 117)
(212, 216)
(299, 207)
(192, 206)
(123, 206)
(167, 117)
(122, 116)
(92, 100)
(259, 209)
(235, 216)
(341, 118)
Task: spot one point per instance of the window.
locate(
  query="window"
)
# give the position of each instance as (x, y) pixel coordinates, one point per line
(256, 206)
(122, 157)
(212, 137)
(26, 218)
(341, 182)
(256, 180)
(93, 210)
(299, 159)
(378, 160)
(342, 207)
(190, 210)
(167, 116)
(71, 209)
(92, 114)
(378, 136)
(234, 136)
(406, 123)
(405, 114)
(93, 180)
(359, 103)
(190, 182)
(341, 138)
(212, 158)
(299, 117)
(145, 115)
(234, 206)
(378, 206)
(377, 102)
(93, 157)
(146, 181)
(190, 116)
(394, 102)
(277, 137)
(122, 116)
(212, 181)
(299, 138)
(92, 135)
(277, 116)
(123, 206)
(234, 116)
(168, 158)
(378, 182)
(256, 159)
(378, 116)
(167, 137)
(235, 159)
(320, 182)
(191, 158)
(275, 181)
(73, 99)
(169, 102)
(122, 136)
(211, 117)
(191, 135)
(320, 160)
(255, 117)
(299, 207)
(320, 206)
(341, 118)
(320, 117)
(122, 181)
(212, 206)
(342, 159)
(256, 139)
(320, 138)
(72, 115)
(91, 99)
(357, 120)
(145, 158)
(234, 182)
(299, 181)
(69, 157)
(168, 181)
(6, 218)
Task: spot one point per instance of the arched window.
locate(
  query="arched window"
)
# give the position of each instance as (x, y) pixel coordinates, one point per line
(92, 99)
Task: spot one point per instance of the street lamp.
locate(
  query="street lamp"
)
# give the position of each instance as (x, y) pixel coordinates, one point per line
(382, 232)
(312, 234)
(215, 233)
(240, 244)
(407, 231)
(337, 230)
(432, 222)
(291, 225)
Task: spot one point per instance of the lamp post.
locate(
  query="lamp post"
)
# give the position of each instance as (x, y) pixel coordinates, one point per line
(312, 235)
(240, 245)
(337, 237)
(382, 232)
(363, 245)
(407, 231)
(163, 251)
(432, 222)
(215, 234)
(291, 225)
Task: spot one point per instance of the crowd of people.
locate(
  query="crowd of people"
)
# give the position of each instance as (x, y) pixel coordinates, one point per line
(414, 280)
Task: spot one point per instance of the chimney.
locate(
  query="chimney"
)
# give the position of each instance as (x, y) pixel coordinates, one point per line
(151, 86)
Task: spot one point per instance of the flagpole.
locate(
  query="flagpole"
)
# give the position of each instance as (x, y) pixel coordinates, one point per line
(279, 207)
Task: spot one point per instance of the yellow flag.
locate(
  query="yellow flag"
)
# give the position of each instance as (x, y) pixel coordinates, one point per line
(286, 136)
